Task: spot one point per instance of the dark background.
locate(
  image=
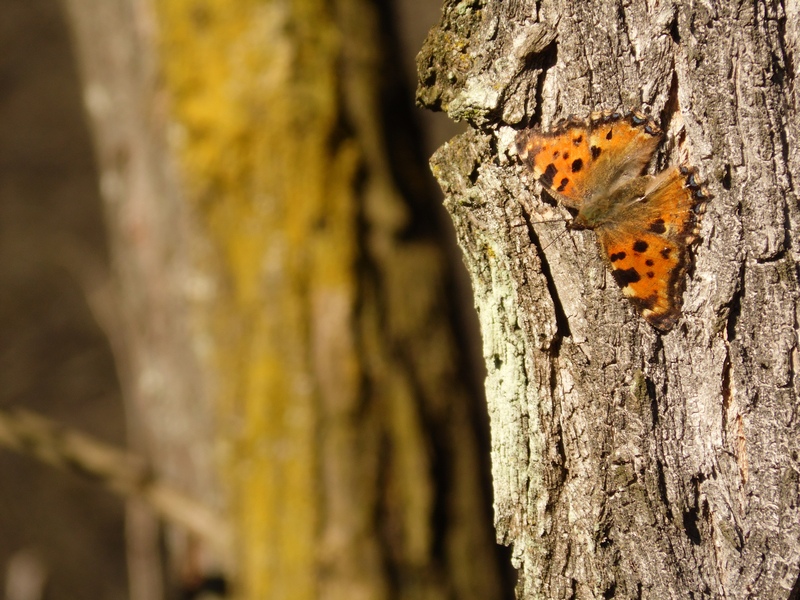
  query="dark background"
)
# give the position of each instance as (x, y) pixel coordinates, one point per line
(54, 357)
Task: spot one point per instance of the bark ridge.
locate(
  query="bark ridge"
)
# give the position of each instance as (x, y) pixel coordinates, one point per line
(629, 463)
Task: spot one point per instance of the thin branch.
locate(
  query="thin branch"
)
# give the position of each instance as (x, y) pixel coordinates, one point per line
(123, 472)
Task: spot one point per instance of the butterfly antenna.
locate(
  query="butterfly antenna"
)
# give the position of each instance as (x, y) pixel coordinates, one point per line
(554, 220)
(557, 220)
(555, 239)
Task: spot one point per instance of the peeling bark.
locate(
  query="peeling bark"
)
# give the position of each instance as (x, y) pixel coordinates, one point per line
(627, 463)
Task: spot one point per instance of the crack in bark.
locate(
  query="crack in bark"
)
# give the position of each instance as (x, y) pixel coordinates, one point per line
(547, 60)
(734, 305)
(562, 324)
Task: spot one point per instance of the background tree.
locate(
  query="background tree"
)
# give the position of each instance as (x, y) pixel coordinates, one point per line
(267, 234)
(279, 301)
(627, 463)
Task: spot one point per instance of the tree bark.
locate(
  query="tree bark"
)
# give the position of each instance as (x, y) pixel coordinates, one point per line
(629, 463)
(280, 309)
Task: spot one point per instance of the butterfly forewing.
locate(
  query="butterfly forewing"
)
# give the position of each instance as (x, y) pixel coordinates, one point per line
(560, 160)
(581, 160)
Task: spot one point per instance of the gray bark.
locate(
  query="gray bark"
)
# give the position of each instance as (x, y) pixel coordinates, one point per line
(629, 463)
(145, 305)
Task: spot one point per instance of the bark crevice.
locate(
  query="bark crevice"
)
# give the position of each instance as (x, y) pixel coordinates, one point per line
(647, 457)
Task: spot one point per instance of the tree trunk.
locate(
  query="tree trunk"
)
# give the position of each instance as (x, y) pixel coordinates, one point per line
(628, 463)
(280, 308)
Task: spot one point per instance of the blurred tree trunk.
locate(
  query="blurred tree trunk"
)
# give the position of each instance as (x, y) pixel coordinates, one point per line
(278, 304)
(626, 463)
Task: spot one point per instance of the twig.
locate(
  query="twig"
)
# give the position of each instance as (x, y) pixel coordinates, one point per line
(122, 472)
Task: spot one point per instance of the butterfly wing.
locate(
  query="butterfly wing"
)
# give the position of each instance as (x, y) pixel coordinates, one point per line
(560, 159)
(649, 249)
(581, 160)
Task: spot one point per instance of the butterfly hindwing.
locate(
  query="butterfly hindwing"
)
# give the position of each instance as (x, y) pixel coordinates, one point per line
(649, 252)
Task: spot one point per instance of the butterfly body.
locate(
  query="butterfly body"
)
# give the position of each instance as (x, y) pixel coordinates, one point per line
(644, 223)
(612, 208)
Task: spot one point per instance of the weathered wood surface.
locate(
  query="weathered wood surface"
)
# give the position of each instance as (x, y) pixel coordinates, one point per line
(627, 463)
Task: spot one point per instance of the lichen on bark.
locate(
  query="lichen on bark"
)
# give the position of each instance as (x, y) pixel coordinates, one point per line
(628, 463)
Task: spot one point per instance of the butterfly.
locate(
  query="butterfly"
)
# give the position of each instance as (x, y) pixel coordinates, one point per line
(645, 224)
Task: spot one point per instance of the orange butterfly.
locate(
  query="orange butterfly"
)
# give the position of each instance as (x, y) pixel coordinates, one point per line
(645, 224)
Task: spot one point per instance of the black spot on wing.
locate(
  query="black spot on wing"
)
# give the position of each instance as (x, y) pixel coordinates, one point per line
(577, 141)
(610, 134)
(617, 256)
(625, 277)
(649, 262)
(562, 185)
(650, 274)
(640, 246)
(596, 152)
(657, 226)
(577, 165)
(556, 154)
(548, 175)
(666, 252)
(645, 303)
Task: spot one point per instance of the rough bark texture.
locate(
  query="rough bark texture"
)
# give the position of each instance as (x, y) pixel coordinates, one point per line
(287, 334)
(627, 463)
